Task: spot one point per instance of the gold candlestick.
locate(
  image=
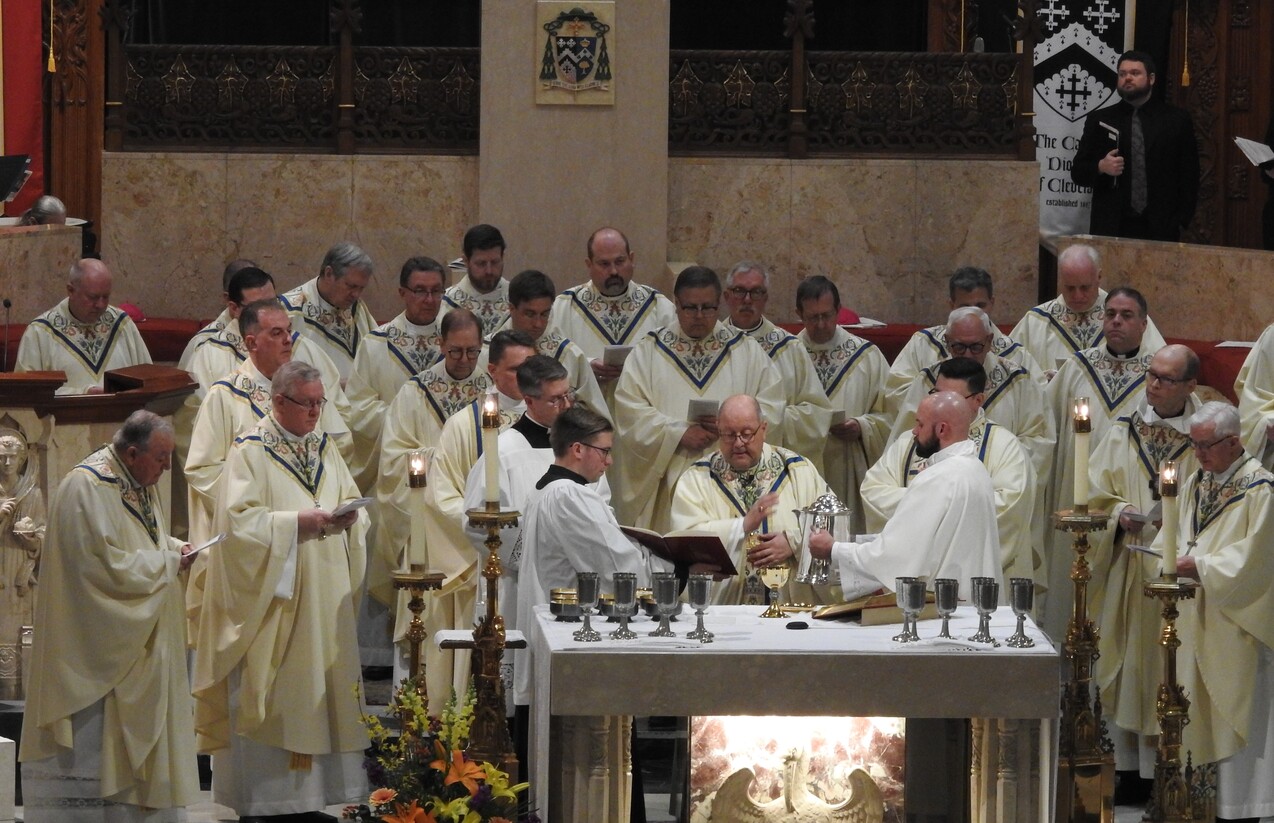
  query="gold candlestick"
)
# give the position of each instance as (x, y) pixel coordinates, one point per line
(1174, 798)
(417, 581)
(1086, 763)
(489, 739)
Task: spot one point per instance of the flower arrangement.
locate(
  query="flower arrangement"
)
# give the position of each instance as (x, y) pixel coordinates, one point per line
(422, 774)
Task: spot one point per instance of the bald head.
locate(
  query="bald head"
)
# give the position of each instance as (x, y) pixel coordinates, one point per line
(943, 417)
(743, 409)
(1079, 276)
(742, 431)
(88, 289)
(1171, 378)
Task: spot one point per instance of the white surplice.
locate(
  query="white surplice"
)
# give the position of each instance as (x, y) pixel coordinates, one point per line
(944, 526)
(1254, 387)
(1012, 476)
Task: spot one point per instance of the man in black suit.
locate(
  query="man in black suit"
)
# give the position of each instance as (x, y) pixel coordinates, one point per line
(1140, 158)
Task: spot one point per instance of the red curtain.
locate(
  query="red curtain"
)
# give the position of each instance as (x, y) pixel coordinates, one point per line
(24, 65)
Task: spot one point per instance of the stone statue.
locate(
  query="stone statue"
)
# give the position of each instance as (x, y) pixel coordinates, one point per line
(22, 524)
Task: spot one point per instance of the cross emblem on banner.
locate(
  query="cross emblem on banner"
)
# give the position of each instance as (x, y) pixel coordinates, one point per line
(1102, 16)
(1052, 13)
(1072, 92)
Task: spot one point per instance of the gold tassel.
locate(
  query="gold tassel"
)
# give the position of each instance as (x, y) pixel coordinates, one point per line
(1185, 63)
(53, 66)
(301, 762)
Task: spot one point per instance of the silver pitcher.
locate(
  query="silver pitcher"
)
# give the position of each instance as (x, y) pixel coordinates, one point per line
(829, 514)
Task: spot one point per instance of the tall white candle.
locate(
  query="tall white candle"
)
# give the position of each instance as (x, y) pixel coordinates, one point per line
(1168, 493)
(490, 447)
(1083, 430)
(418, 552)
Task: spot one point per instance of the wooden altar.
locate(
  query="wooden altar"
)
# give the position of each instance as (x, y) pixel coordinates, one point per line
(758, 667)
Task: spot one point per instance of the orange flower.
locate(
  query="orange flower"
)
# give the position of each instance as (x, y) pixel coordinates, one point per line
(460, 771)
(411, 813)
(382, 797)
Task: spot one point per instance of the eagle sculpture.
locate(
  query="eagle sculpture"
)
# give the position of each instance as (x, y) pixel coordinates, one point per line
(733, 803)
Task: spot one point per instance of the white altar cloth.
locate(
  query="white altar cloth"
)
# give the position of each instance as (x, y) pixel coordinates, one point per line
(830, 668)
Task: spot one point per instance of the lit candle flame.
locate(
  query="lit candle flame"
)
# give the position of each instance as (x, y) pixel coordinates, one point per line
(1168, 477)
(418, 463)
(1081, 409)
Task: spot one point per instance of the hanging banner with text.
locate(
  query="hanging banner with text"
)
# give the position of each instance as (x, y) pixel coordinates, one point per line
(1074, 75)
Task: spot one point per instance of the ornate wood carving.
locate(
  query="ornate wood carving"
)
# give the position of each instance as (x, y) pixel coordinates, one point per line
(76, 108)
(1205, 98)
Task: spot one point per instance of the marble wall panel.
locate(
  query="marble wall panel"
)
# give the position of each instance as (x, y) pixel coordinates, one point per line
(854, 221)
(409, 206)
(981, 213)
(285, 211)
(1194, 292)
(724, 211)
(34, 261)
(163, 230)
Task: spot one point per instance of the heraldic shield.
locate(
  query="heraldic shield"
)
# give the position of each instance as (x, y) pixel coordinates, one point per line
(575, 55)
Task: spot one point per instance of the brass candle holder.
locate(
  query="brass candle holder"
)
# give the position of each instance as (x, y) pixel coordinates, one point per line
(489, 738)
(1174, 798)
(1086, 763)
(417, 580)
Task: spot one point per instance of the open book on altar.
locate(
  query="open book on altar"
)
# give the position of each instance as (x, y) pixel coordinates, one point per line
(686, 547)
(877, 609)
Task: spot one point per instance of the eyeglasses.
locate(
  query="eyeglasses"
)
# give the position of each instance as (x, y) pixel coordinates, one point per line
(430, 293)
(308, 405)
(1164, 379)
(935, 390)
(561, 400)
(470, 354)
(704, 309)
(966, 348)
(743, 438)
(1202, 447)
(755, 294)
(604, 452)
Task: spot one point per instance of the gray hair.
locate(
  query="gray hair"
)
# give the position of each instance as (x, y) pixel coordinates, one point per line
(970, 311)
(1079, 250)
(43, 208)
(344, 256)
(745, 266)
(1223, 417)
(138, 429)
(293, 374)
(83, 266)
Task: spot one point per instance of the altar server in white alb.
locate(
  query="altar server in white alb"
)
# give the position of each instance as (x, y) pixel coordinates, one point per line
(698, 358)
(83, 335)
(569, 527)
(108, 734)
(276, 664)
(327, 309)
(853, 372)
(749, 488)
(944, 525)
(1226, 660)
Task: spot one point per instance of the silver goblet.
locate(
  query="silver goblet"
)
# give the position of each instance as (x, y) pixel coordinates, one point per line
(946, 590)
(625, 604)
(986, 599)
(900, 597)
(1021, 598)
(587, 587)
(665, 590)
(914, 604)
(700, 587)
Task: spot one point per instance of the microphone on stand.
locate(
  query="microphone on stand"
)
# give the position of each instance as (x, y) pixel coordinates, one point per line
(4, 364)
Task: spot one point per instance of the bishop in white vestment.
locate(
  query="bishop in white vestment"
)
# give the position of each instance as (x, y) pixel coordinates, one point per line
(1254, 387)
